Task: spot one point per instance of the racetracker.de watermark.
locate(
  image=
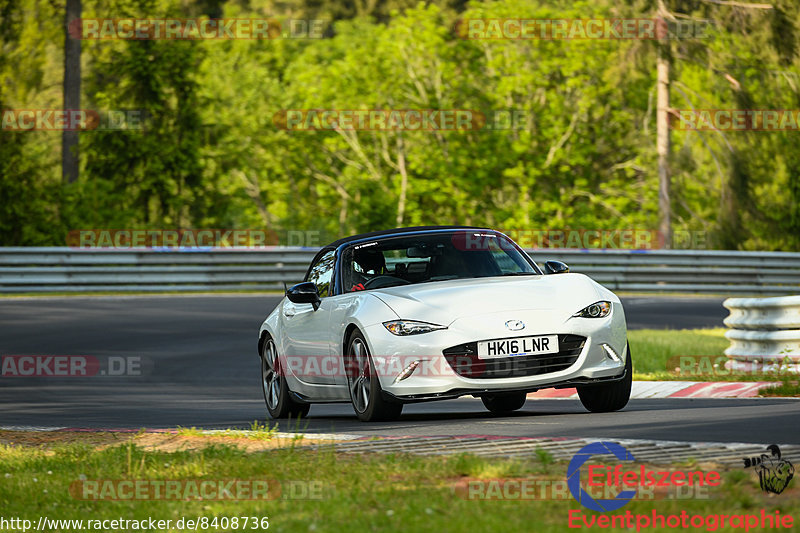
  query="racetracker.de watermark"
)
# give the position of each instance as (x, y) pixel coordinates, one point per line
(400, 119)
(721, 365)
(72, 119)
(171, 238)
(557, 490)
(397, 367)
(192, 239)
(73, 366)
(139, 29)
(580, 29)
(735, 119)
(626, 239)
(196, 489)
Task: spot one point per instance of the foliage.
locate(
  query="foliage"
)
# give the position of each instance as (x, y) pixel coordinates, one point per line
(582, 156)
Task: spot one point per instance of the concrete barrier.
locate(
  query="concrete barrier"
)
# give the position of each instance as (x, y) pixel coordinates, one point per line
(764, 334)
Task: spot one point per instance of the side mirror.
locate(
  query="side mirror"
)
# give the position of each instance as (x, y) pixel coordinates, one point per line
(555, 267)
(304, 293)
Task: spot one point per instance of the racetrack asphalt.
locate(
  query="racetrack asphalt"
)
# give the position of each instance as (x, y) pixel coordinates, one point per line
(201, 369)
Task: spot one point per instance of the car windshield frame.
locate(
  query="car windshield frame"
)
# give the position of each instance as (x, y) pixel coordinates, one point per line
(464, 240)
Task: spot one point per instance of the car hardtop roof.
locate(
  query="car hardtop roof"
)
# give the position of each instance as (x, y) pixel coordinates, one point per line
(400, 231)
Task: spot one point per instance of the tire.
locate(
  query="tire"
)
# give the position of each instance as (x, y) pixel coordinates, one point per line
(273, 384)
(504, 403)
(366, 394)
(612, 396)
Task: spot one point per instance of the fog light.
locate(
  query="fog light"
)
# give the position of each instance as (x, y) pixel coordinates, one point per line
(407, 371)
(611, 353)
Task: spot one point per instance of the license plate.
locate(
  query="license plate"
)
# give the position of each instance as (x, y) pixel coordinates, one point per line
(518, 347)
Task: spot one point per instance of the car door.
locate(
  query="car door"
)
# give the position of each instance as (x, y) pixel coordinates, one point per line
(306, 344)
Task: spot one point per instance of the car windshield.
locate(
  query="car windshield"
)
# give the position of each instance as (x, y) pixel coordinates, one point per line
(405, 260)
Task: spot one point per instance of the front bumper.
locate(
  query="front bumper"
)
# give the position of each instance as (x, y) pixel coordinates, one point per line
(456, 393)
(414, 368)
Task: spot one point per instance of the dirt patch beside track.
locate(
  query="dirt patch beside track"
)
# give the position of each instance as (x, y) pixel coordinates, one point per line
(166, 441)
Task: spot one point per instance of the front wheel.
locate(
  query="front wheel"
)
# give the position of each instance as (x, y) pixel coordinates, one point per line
(365, 388)
(276, 391)
(609, 397)
(504, 403)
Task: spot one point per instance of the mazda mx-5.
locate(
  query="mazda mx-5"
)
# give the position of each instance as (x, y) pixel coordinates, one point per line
(431, 313)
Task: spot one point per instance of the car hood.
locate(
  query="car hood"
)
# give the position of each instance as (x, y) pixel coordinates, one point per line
(444, 302)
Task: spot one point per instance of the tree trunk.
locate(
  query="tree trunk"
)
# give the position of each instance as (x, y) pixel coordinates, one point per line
(72, 91)
(663, 140)
(401, 165)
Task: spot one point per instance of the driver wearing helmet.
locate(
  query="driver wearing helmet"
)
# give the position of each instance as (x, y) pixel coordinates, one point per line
(371, 264)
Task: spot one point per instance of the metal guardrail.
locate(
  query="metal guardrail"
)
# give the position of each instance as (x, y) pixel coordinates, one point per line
(81, 270)
(688, 271)
(765, 334)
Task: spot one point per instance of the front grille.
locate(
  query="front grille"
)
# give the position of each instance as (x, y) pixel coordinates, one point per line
(463, 359)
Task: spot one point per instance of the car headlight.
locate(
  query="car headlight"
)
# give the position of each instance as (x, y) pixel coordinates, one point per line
(596, 310)
(410, 327)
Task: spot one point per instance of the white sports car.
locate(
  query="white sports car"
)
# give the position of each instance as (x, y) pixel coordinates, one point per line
(430, 313)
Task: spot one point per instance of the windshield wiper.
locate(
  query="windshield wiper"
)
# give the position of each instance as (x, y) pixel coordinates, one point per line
(521, 274)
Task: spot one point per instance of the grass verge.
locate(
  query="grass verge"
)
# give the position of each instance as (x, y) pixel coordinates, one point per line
(655, 350)
(661, 355)
(351, 492)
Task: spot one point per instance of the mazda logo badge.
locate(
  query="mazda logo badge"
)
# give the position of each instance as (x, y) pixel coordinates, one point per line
(515, 325)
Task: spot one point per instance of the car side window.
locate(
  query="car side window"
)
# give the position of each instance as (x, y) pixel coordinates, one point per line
(321, 273)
